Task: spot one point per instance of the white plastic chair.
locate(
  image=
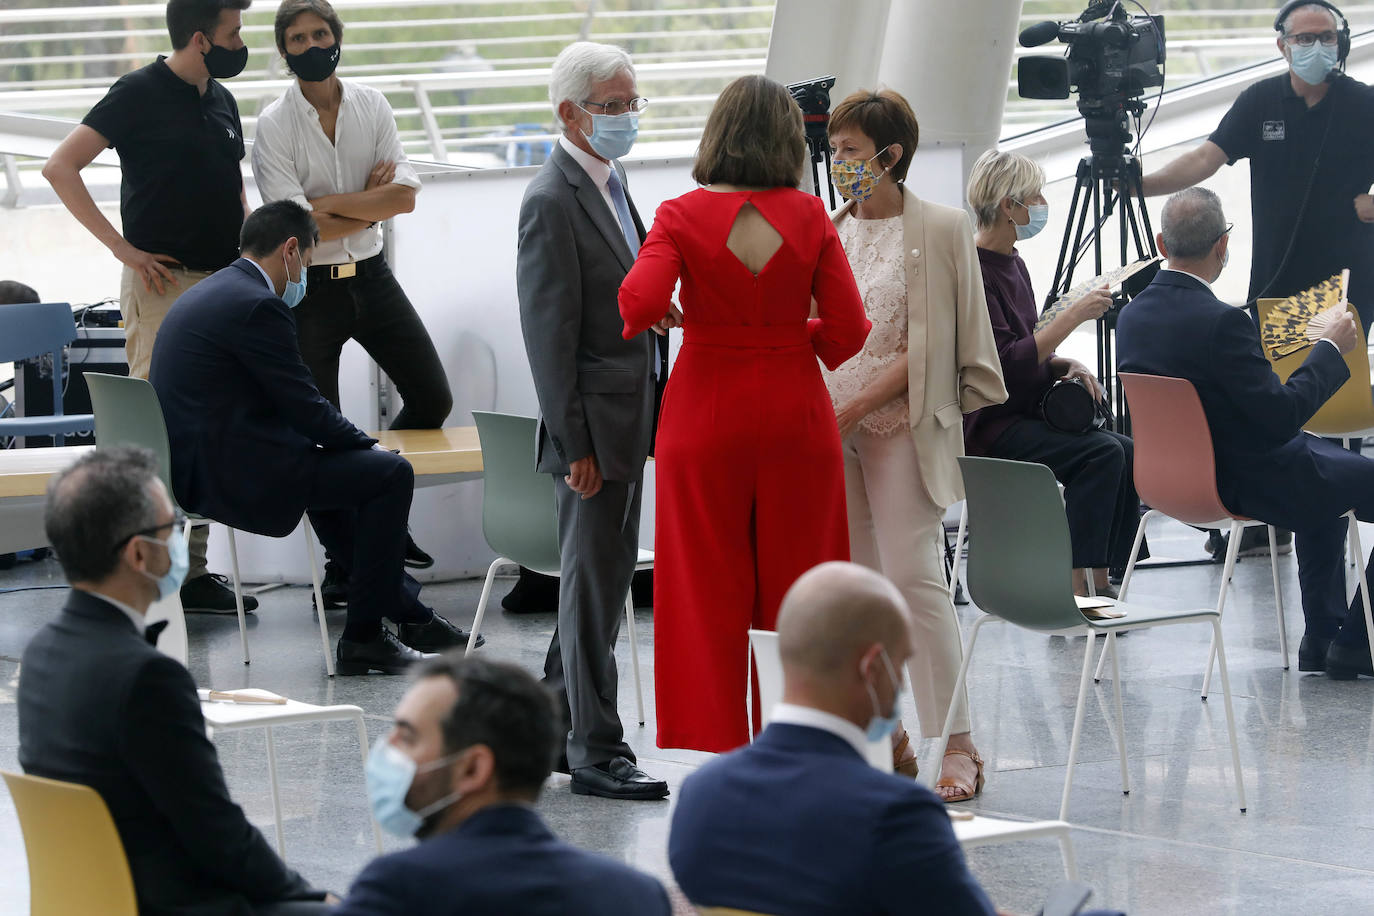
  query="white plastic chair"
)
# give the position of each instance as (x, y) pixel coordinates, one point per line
(970, 831)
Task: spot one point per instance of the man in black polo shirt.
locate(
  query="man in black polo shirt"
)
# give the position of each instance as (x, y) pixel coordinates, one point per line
(182, 203)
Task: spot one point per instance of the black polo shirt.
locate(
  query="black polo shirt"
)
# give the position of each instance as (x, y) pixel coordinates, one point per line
(180, 153)
(1271, 125)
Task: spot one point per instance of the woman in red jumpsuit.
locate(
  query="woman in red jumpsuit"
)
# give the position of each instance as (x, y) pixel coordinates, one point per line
(749, 479)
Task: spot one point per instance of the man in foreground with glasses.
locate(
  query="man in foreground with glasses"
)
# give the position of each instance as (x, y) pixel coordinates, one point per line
(101, 707)
(579, 235)
(1309, 136)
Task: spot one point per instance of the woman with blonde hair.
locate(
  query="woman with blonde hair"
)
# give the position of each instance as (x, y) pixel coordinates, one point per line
(1095, 467)
(929, 359)
(750, 490)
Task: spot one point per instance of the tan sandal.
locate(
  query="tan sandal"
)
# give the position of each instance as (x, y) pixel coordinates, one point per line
(905, 763)
(966, 792)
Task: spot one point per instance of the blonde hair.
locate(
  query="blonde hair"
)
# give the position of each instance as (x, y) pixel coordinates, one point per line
(997, 175)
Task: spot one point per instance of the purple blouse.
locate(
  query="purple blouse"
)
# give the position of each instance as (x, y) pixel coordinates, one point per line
(1012, 308)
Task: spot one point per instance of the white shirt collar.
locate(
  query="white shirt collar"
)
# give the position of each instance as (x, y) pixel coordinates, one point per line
(1194, 276)
(140, 622)
(597, 171)
(791, 714)
(266, 279)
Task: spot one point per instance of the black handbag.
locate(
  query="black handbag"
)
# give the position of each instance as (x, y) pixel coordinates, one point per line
(1070, 407)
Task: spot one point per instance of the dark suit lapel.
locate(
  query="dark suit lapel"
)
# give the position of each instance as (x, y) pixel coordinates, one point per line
(594, 205)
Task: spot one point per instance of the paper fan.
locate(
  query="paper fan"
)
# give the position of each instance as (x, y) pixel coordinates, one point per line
(1295, 322)
(1111, 279)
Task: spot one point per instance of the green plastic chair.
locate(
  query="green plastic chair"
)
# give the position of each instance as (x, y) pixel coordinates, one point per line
(127, 412)
(1019, 560)
(520, 518)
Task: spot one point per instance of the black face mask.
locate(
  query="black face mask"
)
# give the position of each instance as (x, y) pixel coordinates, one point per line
(314, 65)
(224, 64)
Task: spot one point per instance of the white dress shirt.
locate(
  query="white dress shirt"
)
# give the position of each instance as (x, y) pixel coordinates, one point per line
(600, 173)
(790, 714)
(266, 279)
(140, 622)
(294, 160)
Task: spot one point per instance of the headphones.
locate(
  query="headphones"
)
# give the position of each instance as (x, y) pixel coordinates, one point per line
(1342, 33)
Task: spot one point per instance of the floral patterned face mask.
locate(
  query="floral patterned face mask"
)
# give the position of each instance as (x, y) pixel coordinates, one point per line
(855, 179)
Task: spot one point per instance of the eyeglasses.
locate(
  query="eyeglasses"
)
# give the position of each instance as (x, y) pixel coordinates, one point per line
(619, 106)
(1308, 39)
(1225, 232)
(178, 519)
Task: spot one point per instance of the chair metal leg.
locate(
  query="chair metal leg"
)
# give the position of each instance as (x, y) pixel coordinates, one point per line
(362, 743)
(238, 592)
(1070, 860)
(959, 689)
(1077, 723)
(1230, 712)
(276, 792)
(958, 546)
(1364, 583)
(1135, 551)
(634, 651)
(1232, 549)
(482, 604)
(1278, 595)
(319, 595)
(1108, 649)
(1120, 717)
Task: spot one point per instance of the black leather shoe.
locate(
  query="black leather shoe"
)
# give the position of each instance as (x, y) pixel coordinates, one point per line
(212, 594)
(1312, 653)
(334, 588)
(618, 778)
(435, 636)
(1345, 663)
(385, 653)
(561, 765)
(415, 557)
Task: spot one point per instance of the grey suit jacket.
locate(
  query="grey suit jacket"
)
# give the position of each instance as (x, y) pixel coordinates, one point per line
(596, 389)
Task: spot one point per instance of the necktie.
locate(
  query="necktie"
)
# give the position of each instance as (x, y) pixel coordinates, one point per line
(622, 211)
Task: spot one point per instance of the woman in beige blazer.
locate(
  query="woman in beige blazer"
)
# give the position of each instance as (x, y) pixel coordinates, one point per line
(929, 359)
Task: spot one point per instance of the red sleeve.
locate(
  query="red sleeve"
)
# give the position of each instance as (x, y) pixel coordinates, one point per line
(647, 290)
(842, 327)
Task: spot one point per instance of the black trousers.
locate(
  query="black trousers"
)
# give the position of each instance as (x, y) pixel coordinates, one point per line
(372, 309)
(1099, 489)
(358, 505)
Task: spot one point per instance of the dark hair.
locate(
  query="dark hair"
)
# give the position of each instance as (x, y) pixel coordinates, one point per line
(95, 505)
(290, 9)
(503, 707)
(12, 292)
(187, 17)
(885, 118)
(269, 226)
(754, 137)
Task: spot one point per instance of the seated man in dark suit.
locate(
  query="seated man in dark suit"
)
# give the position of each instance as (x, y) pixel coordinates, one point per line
(99, 705)
(1267, 467)
(473, 743)
(797, 823)
(255, 444)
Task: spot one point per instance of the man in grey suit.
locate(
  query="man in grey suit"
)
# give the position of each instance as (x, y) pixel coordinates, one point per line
(579, 234)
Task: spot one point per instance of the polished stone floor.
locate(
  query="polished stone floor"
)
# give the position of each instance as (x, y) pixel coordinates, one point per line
(1177, 844)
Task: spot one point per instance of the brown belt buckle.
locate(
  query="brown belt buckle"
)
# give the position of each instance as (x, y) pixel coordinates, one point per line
(343, 271)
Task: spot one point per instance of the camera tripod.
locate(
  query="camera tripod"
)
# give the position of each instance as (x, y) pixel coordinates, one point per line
(1107, 183)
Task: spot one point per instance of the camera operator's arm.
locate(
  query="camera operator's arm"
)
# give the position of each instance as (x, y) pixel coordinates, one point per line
(1192, 167)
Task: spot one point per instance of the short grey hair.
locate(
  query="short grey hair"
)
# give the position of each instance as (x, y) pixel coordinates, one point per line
(1283, 26)
(997, 175)
(94, 507)
(579, 66)
(1192, 222)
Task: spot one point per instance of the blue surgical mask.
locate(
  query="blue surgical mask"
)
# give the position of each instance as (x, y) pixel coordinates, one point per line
(881, 726)
(180, 556)
(1039, 216)
(390, 774)
(1314, 63)
(295, 289)
(613, 135)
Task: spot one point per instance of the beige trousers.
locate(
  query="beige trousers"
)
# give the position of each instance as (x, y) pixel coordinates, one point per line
(895, 528)
(143, 311)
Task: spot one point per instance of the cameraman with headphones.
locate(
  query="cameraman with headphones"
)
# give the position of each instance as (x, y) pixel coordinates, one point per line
(1309, 136)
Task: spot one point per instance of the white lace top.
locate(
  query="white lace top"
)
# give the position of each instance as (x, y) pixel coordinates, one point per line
(875, 251)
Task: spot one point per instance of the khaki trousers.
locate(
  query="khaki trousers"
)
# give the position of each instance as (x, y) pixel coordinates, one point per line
(143, 310)
(895, 528)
